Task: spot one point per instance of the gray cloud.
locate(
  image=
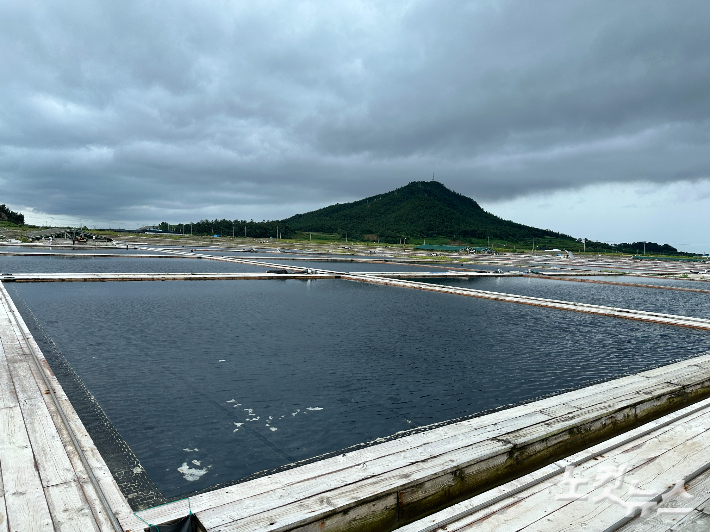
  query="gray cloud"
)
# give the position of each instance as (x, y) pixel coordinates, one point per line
(157, 110)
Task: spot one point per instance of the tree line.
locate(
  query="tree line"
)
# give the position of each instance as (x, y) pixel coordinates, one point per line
(11, 216)
(224, 227)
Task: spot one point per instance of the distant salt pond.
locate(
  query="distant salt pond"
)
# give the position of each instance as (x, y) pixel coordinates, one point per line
(83, 264)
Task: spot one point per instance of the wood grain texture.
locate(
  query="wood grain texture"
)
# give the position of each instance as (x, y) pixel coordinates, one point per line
(654, 462)
(39, 446)
(69, 509)
(26, 505)
(521, 425)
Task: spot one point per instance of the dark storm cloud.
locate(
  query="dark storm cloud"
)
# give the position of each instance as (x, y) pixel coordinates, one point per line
(157, 110)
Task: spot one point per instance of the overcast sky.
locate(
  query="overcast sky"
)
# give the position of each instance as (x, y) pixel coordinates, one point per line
(590, 118)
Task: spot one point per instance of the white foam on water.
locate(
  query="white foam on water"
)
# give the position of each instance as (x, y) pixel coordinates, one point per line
(191, 450)
(221, 361)
(190, 474)
(314, 408)
(196, 462)
(273, 429)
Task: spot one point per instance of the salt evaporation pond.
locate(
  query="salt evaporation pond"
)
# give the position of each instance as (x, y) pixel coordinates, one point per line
(696, 304)
(83, 264)
(48, 250)
(638, 279)
(228, 379)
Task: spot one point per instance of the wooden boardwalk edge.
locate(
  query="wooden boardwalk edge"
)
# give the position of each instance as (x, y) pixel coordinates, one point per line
(45, 444)
(380, 487)
(388, 485)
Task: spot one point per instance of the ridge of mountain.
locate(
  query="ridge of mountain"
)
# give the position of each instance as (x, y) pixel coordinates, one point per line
(421, 209)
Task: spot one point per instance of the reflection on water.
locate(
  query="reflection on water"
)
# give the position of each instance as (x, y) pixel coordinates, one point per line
(695, 304)
(211, 381)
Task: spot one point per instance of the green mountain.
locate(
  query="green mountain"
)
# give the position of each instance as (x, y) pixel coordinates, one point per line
(422, 209)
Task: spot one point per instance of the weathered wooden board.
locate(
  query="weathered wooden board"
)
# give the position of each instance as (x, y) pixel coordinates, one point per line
(52, 461)
(287, 484)
(99, 468)
(26, 505)
(366, 462)
(653, 317)
(344, 492)
(116, 277)
(68, 498)
(496, 424)
(8, 396)
(653, 461)
(699, 489)
(656, 317)
(653, 468)
(70, 511)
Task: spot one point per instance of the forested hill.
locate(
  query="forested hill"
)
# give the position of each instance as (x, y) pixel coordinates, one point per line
(419, 210)
(11, 216)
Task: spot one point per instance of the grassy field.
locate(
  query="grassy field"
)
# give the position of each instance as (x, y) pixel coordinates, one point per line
(335, 242)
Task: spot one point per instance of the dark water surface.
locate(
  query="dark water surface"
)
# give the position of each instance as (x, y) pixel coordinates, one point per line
(209, 382)
(80, 250)
(636, 279)
(696, 304)
(83, 264)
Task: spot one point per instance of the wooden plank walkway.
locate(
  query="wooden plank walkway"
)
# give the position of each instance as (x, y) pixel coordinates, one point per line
(84, 255)
(44, 483)
(642, 481)
(618, 283)
(116, 277)
(373, 277)
(600, 310)
(389, 484)
(223, 276)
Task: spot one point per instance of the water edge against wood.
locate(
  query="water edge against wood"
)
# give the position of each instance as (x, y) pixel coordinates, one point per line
(209, 382)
